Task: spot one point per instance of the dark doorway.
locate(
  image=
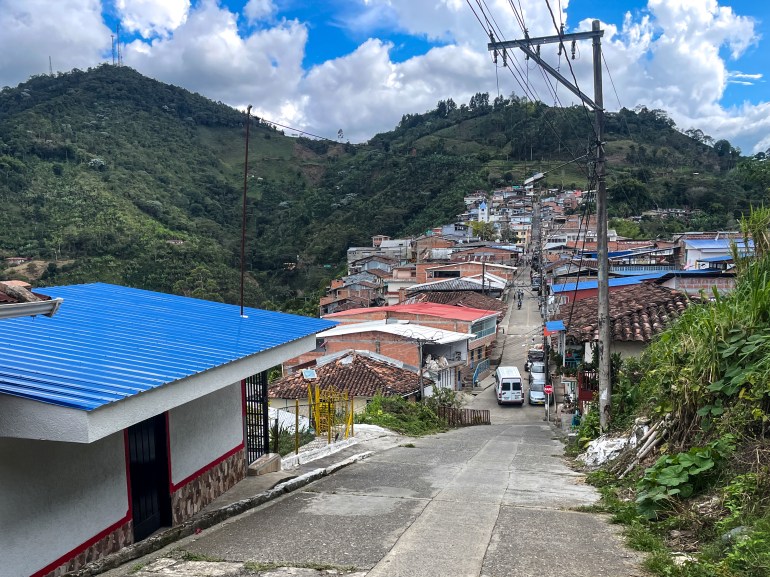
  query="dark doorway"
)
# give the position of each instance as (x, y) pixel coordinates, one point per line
(257, 433)
(148, 467)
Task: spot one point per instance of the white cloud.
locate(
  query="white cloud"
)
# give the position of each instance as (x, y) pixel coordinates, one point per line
(206, 54)
(258, 9)
(71, 32)
(669, 55)
(365, 92)
(152, 17)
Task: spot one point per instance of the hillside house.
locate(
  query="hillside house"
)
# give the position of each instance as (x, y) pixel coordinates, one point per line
(430, 271)
(402, 277)
(637, 313)
(363, 289)
(126, 412)
(480, 325)
(696, 251)
(409, 343)
(361, 374)
(496, 254)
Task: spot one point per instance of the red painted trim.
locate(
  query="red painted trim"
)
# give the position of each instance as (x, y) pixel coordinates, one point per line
(199, 472)
(101, 535)
(79, 549)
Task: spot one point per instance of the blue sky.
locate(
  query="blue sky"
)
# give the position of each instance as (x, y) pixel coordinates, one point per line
(359, 65)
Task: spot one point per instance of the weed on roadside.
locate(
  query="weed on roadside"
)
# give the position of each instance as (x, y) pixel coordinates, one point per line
(256, 567)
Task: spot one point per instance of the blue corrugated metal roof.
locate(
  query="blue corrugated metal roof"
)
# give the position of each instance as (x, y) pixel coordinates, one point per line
(613, 282)
(109, 342)
(723, 258)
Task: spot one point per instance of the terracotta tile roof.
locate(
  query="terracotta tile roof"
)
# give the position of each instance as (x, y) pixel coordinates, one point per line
(356, 373)
(378, 272)
(12, 292)
(458, 298)
(637, 313)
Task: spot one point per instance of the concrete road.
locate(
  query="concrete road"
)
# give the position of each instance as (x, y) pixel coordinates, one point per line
(492, 501)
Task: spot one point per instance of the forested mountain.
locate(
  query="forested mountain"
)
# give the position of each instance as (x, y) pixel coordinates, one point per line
(100, 169)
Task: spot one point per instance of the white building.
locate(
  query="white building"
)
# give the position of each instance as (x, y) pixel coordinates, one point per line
(127, 412)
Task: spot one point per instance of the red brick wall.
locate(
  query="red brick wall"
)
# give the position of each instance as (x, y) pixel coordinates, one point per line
(391, 346)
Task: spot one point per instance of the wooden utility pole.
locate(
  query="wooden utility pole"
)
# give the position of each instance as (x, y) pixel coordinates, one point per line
(603, 314)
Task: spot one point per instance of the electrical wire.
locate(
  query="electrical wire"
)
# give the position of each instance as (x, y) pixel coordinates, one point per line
(262, 119)
(515, 68)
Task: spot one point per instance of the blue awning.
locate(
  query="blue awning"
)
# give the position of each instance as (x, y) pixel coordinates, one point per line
(554, 326)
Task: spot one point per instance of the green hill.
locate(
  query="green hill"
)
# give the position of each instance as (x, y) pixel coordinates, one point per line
(109, 175)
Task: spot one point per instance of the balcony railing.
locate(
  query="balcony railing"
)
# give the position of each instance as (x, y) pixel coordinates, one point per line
(484, 333)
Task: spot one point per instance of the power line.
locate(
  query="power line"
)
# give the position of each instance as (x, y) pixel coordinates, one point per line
(514, 67)
(263, 119)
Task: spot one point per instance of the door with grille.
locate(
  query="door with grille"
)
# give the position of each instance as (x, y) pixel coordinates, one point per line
(148, 470)
(257, 432)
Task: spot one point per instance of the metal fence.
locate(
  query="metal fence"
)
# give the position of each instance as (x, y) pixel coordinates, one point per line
(464, 417)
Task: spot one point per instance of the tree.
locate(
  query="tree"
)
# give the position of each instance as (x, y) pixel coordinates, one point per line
(484, 230)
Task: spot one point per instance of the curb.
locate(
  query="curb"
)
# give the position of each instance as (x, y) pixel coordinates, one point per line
(294, 461)
(202, 521)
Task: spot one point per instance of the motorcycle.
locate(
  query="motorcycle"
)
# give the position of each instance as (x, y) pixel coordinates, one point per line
(518, 305)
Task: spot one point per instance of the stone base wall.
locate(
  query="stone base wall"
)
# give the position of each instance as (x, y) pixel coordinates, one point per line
(195, 495)
(119, 538)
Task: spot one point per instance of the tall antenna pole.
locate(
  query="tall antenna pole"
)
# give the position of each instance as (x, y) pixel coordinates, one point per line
(243, 209)
(117, 43)
(112, 36)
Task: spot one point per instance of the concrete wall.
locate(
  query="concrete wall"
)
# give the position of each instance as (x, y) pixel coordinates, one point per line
(201, 431)
(57, 496)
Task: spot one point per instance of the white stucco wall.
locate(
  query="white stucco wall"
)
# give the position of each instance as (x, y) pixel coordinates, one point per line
(628, 348)
(203, 430)
(55, 496)
(625, 348)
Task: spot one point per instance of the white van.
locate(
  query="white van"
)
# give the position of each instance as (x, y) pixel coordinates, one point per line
(509, 388)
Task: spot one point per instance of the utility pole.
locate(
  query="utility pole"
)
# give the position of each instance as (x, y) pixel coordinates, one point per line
(601, 192)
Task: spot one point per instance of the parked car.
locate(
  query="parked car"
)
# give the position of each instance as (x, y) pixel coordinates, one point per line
(536, 394)
(534, 355)
(537, 380)
(537, 373)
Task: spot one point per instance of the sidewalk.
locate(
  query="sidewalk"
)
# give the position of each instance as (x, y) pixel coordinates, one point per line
(251, 492)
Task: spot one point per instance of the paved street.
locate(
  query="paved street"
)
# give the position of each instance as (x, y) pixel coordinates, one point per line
(492, 501)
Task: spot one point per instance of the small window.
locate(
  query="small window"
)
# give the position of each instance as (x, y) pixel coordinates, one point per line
(507, 386)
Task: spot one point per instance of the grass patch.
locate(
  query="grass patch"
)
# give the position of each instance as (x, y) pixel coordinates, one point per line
(284, 442)
(397, 414)
(729, 541)
(408, 445)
